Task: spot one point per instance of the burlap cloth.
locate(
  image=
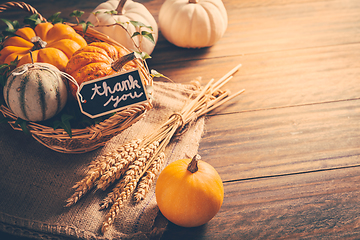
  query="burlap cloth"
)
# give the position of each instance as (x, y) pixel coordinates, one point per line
(36, 181)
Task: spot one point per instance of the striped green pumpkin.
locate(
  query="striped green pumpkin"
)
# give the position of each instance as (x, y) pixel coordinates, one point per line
(35, 92)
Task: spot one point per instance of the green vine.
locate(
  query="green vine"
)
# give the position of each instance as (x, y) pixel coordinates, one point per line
(85, 25)
(138, 25)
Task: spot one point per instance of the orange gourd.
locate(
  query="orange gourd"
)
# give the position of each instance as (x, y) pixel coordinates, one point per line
(189, 192)
(96, 60)
(49, 43)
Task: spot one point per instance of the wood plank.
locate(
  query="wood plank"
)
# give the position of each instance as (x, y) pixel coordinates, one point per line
(288, 148)
(318, 205)
(257, 27)
(267, 27)
(278, 79)
(284, 140)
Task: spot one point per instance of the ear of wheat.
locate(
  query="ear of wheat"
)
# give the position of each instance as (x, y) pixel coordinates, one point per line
(136, 164)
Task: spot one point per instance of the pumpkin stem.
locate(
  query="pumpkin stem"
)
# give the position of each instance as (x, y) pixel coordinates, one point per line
(193, 1)
(38, 43)
(118, 64)
(120, 8)
(31, 56)
(193, 165)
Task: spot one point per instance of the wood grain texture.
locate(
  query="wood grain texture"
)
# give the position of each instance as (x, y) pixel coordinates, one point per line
(283, 140)
(266, 26)
(288, 149)
(277, 79)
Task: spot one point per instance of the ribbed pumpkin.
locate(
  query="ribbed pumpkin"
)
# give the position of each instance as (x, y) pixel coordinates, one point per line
(35, 92)
(98, 59)
(193, 23)
(189, 192)
(127, 10)
(49, 43)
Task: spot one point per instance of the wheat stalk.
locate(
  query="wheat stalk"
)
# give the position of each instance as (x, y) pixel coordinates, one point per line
(134, 171)
(128, 153)
(95, 170)
(138, 163)
(119, 203)
(149, 177)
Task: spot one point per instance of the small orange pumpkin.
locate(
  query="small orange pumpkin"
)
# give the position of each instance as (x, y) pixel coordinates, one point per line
(49, 43)
(96, 60)
(189, 192)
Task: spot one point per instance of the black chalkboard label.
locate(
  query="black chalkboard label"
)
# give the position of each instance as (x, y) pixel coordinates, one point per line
(112, 93)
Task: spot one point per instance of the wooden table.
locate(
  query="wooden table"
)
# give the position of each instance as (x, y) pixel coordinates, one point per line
(288, 148)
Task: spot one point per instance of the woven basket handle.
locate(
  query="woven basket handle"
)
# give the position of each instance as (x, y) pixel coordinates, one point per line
(21, 5)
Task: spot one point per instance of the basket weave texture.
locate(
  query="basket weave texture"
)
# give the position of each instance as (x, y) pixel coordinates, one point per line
(89, 138)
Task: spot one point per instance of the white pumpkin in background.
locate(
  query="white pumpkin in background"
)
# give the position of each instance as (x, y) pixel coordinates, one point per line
(127, 10)
(35, 91)
(193, 23)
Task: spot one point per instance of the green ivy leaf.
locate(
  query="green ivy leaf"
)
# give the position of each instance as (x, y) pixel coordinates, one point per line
(155, 73)
(15, 62)
(140, 24)
(85, 25)
(145, 34)
(135, 34)
(55, 18)
(11, 28)
(4, 67)
(76, 13)
(56, 124)
(9, 24)
(149, 36)
(16, 24)
(8, 34)
(96, 13)
(112, 12)
(142, 55)
(23, 124)
(65, 123)
(33, 20)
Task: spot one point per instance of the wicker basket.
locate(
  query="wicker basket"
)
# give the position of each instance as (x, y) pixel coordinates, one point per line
(90, 138)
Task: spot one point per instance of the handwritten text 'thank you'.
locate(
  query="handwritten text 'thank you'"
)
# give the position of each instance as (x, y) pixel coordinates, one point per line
(119, 87)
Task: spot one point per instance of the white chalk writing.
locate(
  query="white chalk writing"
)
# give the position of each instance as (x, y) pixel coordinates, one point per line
(123, 97)
(125, 85)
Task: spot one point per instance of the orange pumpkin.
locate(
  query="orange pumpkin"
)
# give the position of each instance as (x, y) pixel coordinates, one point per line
(189, 192)
(96, 60)
(49, 43)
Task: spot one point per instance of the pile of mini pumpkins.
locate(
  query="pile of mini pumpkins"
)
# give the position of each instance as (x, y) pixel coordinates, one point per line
(189, 192)
(36, 90)
(185, 23)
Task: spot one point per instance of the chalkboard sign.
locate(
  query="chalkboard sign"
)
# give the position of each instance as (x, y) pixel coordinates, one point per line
(112, 93)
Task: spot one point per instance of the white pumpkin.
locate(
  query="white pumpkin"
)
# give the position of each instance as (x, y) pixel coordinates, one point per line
(127, 10)
(193, 23)
(35, 91)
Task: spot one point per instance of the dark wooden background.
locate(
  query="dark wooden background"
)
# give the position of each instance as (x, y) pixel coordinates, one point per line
(288, 148)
